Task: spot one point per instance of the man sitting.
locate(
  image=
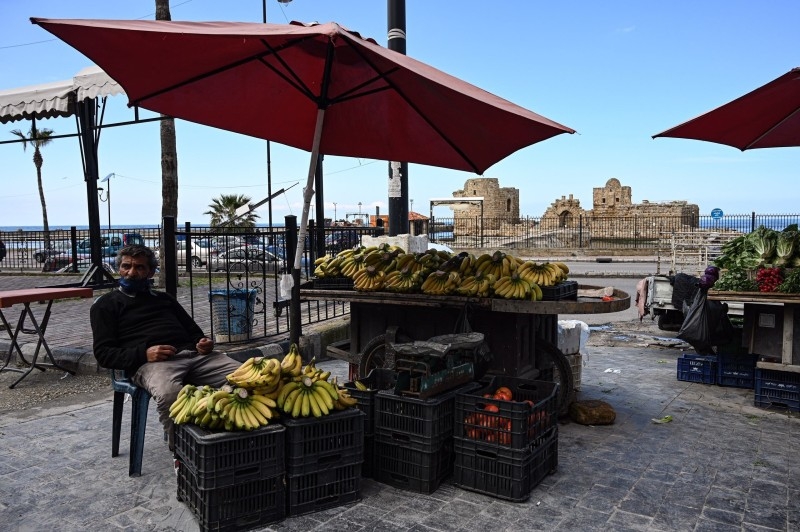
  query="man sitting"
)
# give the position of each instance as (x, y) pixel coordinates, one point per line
(150, 336)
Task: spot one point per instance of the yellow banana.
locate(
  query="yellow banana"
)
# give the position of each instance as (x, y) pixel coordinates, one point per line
(314, 407)
(291, 400)
(297, 406)
(263, 409)
(287, 389)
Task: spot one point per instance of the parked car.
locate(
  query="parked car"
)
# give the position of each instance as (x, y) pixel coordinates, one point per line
(340, 240)
(201, 251)
(56, 248)
(245, 259)
(111, 243)
(251, 260)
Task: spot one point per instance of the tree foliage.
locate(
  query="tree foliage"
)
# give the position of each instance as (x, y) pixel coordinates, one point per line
(223, 212)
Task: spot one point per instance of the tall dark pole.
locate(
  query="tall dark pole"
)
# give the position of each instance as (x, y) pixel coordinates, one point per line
(398, 171)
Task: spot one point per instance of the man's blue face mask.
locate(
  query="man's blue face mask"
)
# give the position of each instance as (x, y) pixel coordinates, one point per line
(134, 286)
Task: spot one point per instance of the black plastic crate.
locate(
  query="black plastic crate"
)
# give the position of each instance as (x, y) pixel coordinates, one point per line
(697, 368)
(314, 444)
(223, 458)
(377, 380)
(241, 506)
(560, 291)
(514, 424)
(778, 389)
(332, 283)
(320, 490)
(423, 424)
(368, 465)
(509, 474)
(410, 469)
(736, 370)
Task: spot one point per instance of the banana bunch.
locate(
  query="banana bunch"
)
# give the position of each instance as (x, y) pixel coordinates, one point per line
(403, 281)
(292, 363)
(544, 274)
(480, 284)
(182, 409)
(370, 279)
(240, 409)
(326, 267)
(384, 261)
(306, 397)
(515, 286)
(498, 264)
(259, 373)
(345, 400)
(441, 283)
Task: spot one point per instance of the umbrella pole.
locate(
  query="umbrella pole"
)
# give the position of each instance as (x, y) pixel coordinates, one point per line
(308, 193)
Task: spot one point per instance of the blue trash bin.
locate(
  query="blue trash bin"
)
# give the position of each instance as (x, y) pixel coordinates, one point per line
(232, 312)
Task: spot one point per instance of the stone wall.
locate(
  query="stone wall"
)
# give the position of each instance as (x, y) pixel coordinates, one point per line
(499, 203)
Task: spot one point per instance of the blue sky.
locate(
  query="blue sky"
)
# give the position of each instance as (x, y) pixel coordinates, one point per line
(618, 72)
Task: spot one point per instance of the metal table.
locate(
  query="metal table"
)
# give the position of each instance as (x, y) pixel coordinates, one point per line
(10, 298)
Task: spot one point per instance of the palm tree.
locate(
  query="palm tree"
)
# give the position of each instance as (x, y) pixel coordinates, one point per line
(38, 138)
(169, 155)
(223, 212)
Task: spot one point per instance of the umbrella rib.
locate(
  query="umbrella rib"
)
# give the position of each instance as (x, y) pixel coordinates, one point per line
(771, 129)
(295, 80)
(413, 106)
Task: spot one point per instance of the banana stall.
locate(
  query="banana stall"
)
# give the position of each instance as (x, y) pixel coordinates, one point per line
(514, 306)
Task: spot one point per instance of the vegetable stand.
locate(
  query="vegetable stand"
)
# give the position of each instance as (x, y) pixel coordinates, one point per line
(521, 335)
(769, 327)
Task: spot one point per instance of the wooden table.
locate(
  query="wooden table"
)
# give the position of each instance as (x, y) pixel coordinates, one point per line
(512, 328)
(9, 298)
(769, 326)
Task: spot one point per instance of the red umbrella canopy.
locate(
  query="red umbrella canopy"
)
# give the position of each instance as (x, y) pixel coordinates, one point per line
(270, 80)
(768, 117)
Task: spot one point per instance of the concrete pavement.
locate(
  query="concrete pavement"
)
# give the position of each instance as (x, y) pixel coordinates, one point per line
(720, 465)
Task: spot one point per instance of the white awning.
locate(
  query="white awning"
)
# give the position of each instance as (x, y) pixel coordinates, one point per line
(56, 98)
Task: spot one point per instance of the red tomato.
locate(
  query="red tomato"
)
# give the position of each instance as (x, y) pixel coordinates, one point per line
(503, 393)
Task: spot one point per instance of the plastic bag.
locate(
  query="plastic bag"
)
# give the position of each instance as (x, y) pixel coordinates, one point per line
(287, 282)
(705, 324)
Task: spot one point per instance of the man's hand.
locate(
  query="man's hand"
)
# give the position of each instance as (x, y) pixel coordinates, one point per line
(205, 346)
(159, 353)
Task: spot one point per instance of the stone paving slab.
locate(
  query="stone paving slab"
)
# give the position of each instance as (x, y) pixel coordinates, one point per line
(721, 464)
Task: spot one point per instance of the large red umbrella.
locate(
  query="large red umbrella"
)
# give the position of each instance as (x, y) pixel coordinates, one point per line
(316, 87)
(768, 117)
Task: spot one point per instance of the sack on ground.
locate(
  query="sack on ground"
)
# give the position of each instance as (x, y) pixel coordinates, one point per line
(705, 324)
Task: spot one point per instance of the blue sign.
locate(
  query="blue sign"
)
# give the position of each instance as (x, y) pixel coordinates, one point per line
(716, 214)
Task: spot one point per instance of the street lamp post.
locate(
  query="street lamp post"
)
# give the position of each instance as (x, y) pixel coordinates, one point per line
(334, 213)
(107, 179)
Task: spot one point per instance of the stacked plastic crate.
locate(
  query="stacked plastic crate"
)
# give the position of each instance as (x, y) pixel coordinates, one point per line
(414, 439)
(697, 368)
(323, 461)
(232, 480)
(777, 389)
(377, 380)
(504, 448)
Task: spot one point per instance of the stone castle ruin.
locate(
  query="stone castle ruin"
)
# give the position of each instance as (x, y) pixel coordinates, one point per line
(614, 200)
(613, 213)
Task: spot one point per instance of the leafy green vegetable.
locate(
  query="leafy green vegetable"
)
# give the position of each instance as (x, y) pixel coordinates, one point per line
(764, 241)
(785, 247)
(735, 280)
(738, 253)
(791, 282)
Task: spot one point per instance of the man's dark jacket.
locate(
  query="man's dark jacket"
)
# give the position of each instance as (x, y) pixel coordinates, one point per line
(124, 326)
